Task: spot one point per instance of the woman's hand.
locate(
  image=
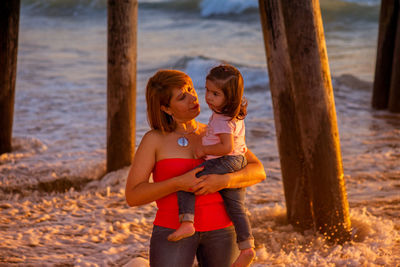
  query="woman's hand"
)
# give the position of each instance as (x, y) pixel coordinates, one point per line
(188, 181)
(251, 174)
(210, 183)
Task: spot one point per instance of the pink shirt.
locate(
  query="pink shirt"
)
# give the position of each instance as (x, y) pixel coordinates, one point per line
(219, 124)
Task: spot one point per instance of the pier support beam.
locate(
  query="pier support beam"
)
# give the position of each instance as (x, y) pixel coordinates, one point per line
(394, 96)
(121, 82)
(286, 123)
(9, 27)
(384, 56)
(294, 40)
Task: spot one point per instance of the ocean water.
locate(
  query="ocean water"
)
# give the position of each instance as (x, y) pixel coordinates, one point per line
(56, 205)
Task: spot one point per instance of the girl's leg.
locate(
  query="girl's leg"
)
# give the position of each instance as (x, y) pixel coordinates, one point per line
(186, 201)
(245, 258)
(164, 253)
(234, 203)
(186, 229)
(217, 248)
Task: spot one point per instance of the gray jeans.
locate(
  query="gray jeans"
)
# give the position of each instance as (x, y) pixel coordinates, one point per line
(233, 198)
(212, 248)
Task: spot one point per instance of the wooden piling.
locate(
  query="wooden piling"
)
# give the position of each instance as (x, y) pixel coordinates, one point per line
(286, 124)
(9, 27)
(121, 82)
(394, 96)
(314, 110)
(384, 56)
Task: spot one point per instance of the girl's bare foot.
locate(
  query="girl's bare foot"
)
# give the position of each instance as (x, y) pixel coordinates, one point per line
(185, 230)
(245, 258)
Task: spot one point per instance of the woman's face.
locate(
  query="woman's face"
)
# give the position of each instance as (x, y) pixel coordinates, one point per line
(184, 105)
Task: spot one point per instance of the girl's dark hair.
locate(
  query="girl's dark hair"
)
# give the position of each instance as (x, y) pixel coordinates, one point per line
(230, 81)
(159, 93)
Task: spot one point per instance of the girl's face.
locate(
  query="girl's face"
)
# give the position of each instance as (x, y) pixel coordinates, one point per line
(215, 97)
(184, 105)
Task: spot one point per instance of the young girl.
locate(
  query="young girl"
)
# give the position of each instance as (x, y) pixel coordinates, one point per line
(223, 147)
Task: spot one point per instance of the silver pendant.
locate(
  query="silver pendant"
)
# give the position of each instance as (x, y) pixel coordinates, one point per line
(182, 141)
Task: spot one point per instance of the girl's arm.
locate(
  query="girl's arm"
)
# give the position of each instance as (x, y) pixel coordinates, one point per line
(251, 174)
(139, 190)
(223, 148)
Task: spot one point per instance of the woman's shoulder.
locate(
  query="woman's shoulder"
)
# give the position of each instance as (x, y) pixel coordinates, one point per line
(202, 127)
(152, 136)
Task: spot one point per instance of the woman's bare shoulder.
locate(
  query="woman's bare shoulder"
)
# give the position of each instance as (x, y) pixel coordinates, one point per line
(202, 127)
(152, 137)
(153, 134)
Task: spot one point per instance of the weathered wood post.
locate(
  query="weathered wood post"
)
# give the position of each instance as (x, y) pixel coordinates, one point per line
(394, 96)
(286, 124)
(9, 26)
(121, 82)
(384, 56)
(314, 109)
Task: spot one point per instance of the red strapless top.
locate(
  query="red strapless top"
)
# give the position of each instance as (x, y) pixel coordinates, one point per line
(210, 213)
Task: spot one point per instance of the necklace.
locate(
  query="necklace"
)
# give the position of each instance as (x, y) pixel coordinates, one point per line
(183, 141)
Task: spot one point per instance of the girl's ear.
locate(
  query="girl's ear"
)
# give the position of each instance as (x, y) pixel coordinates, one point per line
(166, 110)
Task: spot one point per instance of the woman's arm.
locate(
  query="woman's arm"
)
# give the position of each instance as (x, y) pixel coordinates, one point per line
(251, 174)
(139, 190)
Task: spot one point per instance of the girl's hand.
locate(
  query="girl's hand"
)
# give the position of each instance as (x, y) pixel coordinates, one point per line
(210, 183)
(199, 153)
(189, 181)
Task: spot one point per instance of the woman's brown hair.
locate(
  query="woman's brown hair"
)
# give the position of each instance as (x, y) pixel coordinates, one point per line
(230, 81)
(158, 93)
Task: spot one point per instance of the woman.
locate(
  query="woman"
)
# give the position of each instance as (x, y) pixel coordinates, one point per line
(168, 151)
